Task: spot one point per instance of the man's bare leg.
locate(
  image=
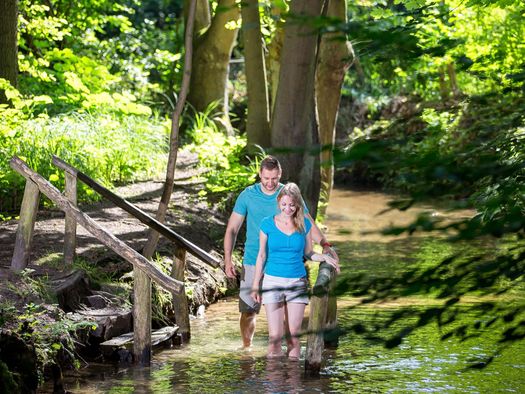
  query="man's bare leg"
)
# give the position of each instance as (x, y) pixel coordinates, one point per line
(247, 324)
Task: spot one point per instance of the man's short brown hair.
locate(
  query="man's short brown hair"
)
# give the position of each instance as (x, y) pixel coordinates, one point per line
(270, 163)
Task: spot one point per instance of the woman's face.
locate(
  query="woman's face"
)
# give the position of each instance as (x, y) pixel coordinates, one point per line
(287, 206)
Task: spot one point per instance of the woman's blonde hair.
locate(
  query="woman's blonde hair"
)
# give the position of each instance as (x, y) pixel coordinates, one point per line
(292, 190)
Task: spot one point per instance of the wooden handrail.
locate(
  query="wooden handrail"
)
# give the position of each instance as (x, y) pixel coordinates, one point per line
(89, 224)
(139, 214)
(317, 322)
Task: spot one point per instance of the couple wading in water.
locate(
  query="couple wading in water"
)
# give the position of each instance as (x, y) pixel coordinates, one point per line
(279, 236)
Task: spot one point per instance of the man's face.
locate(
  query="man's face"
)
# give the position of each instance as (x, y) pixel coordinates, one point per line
(269, 180)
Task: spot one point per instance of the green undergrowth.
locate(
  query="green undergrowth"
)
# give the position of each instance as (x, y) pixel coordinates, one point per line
(110, 148)
(229, 167)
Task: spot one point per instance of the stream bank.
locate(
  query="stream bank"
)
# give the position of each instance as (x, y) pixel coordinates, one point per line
(34, 314)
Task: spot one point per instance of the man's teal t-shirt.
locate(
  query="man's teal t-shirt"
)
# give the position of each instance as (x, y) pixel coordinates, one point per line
(255, 205)
(284, 253)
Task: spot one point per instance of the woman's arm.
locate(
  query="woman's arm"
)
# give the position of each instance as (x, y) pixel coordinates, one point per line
(311, 255)
(259, 265)
(318, 237)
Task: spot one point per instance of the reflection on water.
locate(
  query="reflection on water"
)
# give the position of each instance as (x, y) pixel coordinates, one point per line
(423, 362)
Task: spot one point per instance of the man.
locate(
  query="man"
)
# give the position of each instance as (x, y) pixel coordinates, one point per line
(255, 203)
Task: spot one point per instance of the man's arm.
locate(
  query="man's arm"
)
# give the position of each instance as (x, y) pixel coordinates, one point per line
(230, 236)
(318, 237)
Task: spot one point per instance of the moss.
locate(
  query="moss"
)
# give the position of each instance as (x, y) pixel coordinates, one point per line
(7, 382)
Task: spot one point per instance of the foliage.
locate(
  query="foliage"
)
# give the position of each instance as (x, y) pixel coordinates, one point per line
(51, 333)
(474, 154)
(407, 47)
(32, 288)
(7, 312)
(454, 152)
(96, 275)
(137, 150)
(60, 46)
(229, 169)
(35, 317)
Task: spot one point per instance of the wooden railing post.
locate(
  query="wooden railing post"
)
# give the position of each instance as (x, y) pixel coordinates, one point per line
(331, 337)
(141, 317)
(180, 300)
(317, 320)
(70, 232)
(26, 226)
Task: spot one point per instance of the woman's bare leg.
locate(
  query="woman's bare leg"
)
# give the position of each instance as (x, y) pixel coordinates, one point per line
(295, 320)
(275, 317)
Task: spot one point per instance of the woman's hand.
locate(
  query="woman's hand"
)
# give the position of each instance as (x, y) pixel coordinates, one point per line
(256, 295)
(332, 261)
(327, 259)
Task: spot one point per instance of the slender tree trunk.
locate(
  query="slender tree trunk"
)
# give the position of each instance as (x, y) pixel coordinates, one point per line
(295, 134)
(451, 71)
(142, 284)
(273, 57)
(202, 15)
(153, 236)
(8, 43)
(335, 57)
(211, 60)
(444, 90)
(258, 121)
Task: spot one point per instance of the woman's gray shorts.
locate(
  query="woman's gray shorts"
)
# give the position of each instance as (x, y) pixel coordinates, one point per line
(277, 289)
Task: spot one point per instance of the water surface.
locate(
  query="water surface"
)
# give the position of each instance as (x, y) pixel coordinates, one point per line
(422, 362)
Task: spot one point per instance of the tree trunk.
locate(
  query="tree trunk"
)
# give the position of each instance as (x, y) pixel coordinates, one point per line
(335, 57)
(451, 71)
(202, 15)
(211, 60)
(258, 121)
(443, 87)
(273, 57)
(142, 284)
(153, 236)
(8, 43)
(295, 135)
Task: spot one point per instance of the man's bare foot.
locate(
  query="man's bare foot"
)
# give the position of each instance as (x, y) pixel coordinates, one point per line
(274, 355)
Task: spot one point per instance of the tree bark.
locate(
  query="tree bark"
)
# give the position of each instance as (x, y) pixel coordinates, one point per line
(202, 15)
(153, 236)
(274, 57)
(8, 43)
(180, 300)
(142, 284)
(211, 60)
(451, 71)
(444, 90)
(335, 57)
(258, 120)
(70, 230)
(26, 227)
(295, 134)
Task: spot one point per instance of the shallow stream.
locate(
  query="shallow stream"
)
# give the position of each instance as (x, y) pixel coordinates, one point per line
(423, 362)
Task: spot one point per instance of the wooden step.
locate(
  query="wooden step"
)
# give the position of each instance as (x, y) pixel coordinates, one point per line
(162, 336)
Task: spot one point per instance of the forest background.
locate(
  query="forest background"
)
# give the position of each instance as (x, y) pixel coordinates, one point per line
(429, 98)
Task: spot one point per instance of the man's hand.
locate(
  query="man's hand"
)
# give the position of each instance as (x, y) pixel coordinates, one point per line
(229, 270)
(234, 225)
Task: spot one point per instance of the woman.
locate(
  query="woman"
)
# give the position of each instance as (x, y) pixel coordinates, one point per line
(284, 239)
